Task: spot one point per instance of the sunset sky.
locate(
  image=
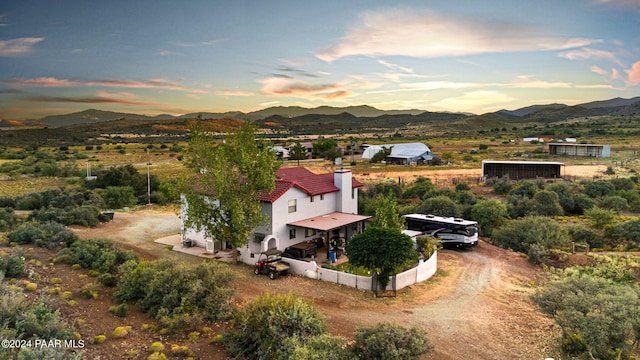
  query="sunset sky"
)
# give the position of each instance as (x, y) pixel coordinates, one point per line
(153, 57)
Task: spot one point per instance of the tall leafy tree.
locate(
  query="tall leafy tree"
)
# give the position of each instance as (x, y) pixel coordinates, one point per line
(298, 152)
(381, 250)
(223, 198)
(387, 214)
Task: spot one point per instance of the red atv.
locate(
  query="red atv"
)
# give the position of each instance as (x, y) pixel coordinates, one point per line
(270, 263)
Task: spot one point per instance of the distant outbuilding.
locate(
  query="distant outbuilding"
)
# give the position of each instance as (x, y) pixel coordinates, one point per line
(573, 149)
(401, 154)
(517, 170)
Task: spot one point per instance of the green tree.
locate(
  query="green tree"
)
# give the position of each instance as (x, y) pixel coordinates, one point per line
(387, 214)
(547, 203)
(298, 152)
(326, 149)
(119, 196)
(439, 205)
(380, 250)
(489, 214)
(235, 174)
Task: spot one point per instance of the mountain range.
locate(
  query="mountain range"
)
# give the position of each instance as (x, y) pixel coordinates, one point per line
(298, 116)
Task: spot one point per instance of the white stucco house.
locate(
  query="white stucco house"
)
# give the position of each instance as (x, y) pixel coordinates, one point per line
(303, 207)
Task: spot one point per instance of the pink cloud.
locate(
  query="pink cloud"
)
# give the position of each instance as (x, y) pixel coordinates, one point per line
(43, 82)
(615, 74)
(18, 47)
(634, 74)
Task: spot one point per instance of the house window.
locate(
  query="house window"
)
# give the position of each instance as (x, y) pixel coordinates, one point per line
(321, 196)
(309, 232)
(353, 193)
(292, 233)
(292, 206)
(311, 199)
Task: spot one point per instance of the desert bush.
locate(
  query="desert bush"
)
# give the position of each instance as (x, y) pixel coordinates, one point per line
(13, 266)
(462, 186)
(48, 234)
(629, 230)
(600, 218)
(598, 317)
(89, 291)
(259, 329)
(390, 342)
(501, 186)
(526, 189)
(30, 319)
(120, 310)
(520, 234)
(419, 188)
(615, 203)
(7, 219)
(166, 290)
(580, 234)
(598, 189)
(324, 346)
(107, 279)
(99, 255)
(120, 332)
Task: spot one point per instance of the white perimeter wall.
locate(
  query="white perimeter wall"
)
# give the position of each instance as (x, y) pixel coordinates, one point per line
(423, 271)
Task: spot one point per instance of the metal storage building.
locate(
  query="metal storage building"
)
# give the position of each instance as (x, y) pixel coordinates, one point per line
(521, 169)
(573, 149)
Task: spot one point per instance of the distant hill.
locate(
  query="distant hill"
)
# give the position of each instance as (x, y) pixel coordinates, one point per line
(353, 116)
(530, 109)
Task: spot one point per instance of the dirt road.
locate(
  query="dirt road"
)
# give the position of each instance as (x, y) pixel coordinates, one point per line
(476, 307)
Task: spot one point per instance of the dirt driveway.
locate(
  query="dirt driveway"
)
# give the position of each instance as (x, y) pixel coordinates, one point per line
(475, 307)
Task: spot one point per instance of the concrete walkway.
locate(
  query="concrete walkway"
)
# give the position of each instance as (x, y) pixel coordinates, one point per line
(176, 242)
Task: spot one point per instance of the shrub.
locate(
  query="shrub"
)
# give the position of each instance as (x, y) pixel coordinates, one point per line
(13, 266)
(120, 310)
(598, 189)
(108, 280)
(99, 255)
(166, 290)
(259, 329)
(390, 342)
(600, 217)
(7, 219)
(89, 291)
(31, 287)
(99, 339)
(48, 234)
(318, 347)
(120, 332)
(119, 196)
(520, 234)
(156, 346)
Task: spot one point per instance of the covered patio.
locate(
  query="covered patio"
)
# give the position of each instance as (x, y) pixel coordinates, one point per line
(335, 229)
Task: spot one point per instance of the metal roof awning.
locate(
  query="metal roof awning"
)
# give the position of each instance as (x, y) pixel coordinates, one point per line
(330, 221)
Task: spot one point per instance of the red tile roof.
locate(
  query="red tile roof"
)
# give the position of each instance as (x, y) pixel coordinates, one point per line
(305, 180)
